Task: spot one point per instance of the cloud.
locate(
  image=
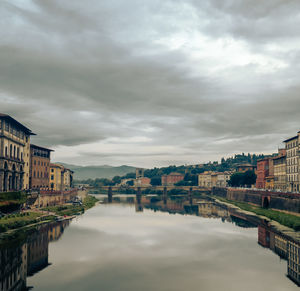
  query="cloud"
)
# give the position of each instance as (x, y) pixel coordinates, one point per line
(193, 81)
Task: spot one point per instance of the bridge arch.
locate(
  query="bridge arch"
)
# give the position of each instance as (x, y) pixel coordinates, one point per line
(265, 202)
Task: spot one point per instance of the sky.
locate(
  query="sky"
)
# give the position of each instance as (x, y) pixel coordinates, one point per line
(151, 83)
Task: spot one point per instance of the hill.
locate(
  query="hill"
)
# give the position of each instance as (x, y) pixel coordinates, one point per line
(93, 172)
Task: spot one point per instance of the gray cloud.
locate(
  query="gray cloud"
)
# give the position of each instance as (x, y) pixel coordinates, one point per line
(195, 80)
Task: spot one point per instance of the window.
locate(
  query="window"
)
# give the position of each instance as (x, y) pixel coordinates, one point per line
(52, 177)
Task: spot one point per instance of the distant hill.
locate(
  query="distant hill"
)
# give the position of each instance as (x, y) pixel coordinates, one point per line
(93, 172)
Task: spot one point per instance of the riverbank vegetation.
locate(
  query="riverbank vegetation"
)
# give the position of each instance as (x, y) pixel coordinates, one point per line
(289, 220)
(18, 220)
(11, 201)
(70, 210)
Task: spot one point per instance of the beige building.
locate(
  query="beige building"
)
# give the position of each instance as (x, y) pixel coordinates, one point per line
(68, 179)
(214, 179)
(204, 179)
(280, 176)
(292, 163)
(14, 154)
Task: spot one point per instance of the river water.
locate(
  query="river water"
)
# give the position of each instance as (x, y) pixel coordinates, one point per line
(123, 246)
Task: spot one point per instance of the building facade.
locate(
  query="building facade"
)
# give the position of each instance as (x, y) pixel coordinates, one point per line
(262, 173)
(280, 173)
(56, 182)
(14, 162)
(61, 178)
(292, 163)
(242, 168)
(68, 179)
(171, 179)
(39, 167)
(214, 179)
(204, 179)
(144, 181)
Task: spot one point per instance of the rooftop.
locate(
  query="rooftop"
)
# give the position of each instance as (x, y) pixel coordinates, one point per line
(8, 117)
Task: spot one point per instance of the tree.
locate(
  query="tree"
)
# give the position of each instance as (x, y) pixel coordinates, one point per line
(242, 179)
(249, 178)
(155, 181)
(116, 179)
(129, 183)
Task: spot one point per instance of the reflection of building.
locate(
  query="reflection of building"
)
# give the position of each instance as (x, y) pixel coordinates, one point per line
(280, 246)
(293, 261)
(18, 262)
(292, 160)
(39, 167)
(37, 251)
(14, 154)
(13, 268)
(171, 179)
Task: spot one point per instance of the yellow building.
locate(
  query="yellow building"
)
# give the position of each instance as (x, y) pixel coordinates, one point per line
(56, 177)
(14, 154)
(61, 178)
(280, 172)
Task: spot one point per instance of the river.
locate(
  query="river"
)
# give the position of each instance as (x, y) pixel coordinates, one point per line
(124, 246)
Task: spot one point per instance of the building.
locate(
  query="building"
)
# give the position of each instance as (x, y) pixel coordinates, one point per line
(56, 182)
(171, 179)
(14, 154)
(61, 178)
(68, 179)
(262, 172)
(144, 181)
(139, 173)
(214, 179)
(222, 179)
(39, 167)
(242, 168)
(205, 179)
(280, 172)
(292, 163)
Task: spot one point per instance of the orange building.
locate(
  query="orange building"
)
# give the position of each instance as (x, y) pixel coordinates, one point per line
(171, 179)
(39, 167)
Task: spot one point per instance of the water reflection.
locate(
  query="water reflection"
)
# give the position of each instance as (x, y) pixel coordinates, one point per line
(286, 246)
(26, 257)
(135, 244)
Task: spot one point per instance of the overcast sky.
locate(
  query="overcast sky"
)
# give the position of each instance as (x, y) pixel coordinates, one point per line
(150, 82)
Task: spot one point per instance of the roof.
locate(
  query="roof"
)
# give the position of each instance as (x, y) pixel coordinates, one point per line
(245, 165)
(289, 139)
(39, 147)
(279, 157)
(175, 174)
(8, 117)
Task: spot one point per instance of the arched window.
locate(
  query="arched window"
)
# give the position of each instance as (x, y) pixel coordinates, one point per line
(18, 153)
(10, 151)
(34, 174)
(14, 151)
(6, 152)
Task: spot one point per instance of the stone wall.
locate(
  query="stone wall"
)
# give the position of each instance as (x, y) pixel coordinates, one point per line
(277, 200)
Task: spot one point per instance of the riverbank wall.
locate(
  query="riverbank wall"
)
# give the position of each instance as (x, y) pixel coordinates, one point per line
(268, 199)
(52, 198)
